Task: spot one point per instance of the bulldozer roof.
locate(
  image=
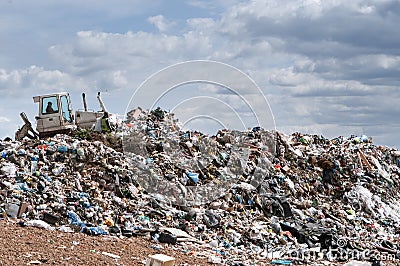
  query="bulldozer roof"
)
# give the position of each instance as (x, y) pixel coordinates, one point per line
(37, 98)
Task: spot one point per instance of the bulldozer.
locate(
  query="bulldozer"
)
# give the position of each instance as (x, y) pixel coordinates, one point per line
(56, 116)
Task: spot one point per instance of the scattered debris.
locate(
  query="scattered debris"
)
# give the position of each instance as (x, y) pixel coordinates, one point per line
(275, 199)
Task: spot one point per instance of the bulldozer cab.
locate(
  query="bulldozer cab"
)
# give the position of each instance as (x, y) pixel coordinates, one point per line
(55, 114)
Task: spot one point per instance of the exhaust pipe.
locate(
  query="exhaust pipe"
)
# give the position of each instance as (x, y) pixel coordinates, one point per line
(84, 101)
(101, 103)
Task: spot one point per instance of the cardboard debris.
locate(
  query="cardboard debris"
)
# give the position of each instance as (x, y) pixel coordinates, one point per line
(160, 260)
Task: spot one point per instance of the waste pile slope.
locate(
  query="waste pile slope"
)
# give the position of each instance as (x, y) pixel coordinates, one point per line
(242, 197)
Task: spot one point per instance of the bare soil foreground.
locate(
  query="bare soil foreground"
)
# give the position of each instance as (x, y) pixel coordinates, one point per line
(35, 246)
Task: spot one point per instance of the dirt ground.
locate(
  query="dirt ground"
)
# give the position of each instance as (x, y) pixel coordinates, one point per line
(36, 246)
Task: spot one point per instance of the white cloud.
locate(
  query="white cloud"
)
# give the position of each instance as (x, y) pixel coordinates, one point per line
(212, 4)
(202, 25)
(4, 119)
(35, 80)
(161, 23)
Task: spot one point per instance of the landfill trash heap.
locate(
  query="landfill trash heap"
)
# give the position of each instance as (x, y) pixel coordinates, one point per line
(273, 197)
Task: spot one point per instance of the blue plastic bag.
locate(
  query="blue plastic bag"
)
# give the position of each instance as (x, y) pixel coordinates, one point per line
(74, 219)
(193, 176)
(62, 149)
(281, 262)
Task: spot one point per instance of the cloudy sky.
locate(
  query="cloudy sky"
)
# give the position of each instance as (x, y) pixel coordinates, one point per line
(327, 67)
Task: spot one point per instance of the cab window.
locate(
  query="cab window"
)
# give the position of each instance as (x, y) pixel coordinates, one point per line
(49, 105)
(65, 108)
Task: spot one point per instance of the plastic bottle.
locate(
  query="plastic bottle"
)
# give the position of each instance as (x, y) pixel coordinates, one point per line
(34, 163)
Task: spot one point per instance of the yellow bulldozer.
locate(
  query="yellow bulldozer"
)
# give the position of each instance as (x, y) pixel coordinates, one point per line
(56, 116)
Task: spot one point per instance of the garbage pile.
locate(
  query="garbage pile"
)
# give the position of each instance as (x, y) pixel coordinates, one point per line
(237, 198)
